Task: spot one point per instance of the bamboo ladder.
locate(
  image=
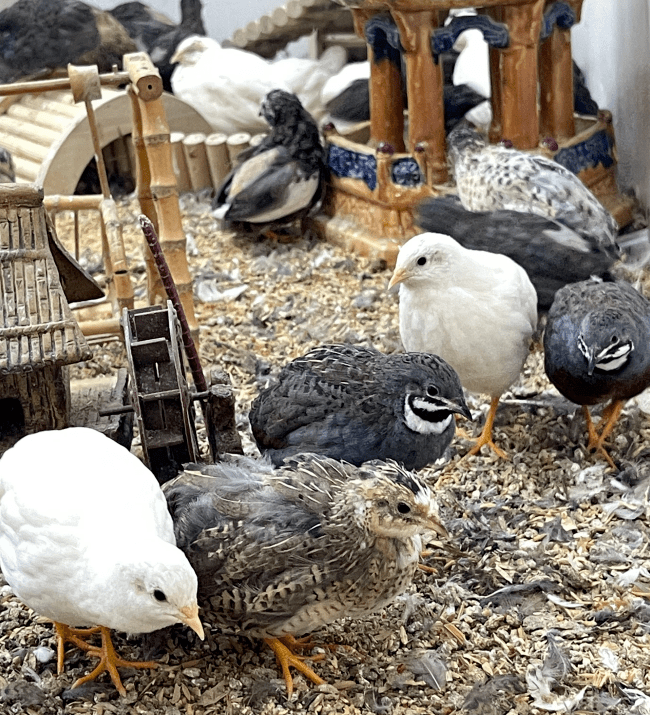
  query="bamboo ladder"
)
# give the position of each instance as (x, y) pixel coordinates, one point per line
(156, 186)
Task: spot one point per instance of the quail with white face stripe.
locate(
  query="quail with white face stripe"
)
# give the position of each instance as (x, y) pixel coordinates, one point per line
(595, 350)
(357, 404)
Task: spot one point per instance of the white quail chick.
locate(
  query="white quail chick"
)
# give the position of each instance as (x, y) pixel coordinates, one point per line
(475, 309)
(597, 349)
(490, 177)
(357, 404)
(280, 553)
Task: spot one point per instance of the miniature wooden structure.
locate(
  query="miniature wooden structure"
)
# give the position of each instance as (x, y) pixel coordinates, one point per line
(322, 19)
(156, 183)
(49, 137)
(38, 336)
(379, 175)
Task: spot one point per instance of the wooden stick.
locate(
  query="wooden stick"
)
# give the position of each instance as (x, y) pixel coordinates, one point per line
(170, 288)
(197, 161)
(49, 85)
(218, 158)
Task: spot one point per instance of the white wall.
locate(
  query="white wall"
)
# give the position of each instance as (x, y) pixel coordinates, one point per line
(612, 46)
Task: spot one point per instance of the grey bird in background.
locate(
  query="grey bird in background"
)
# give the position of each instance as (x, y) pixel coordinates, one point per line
(551, 254)
(491, 177)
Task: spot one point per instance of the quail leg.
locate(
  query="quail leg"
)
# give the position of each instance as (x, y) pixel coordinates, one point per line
(67, 634)
(610, 416)
(287, 658)
(486, 435)
(109, 660)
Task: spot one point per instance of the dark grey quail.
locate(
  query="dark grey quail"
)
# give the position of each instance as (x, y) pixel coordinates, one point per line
(280, 180)
(597, 349)
(281, 552)
(551, 253)
(357, 404)
(491, 177)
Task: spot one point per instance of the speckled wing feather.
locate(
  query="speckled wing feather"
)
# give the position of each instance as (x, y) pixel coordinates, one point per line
(490, 177)
(297, 556)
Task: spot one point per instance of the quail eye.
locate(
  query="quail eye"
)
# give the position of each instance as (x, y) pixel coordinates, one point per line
(614, 340)
(421, 261)
(403, 508)
(432, 390)
(159, 595)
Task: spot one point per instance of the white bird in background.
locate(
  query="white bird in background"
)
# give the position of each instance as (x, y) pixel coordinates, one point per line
(476, 310)
(86, 540)
(227, 85)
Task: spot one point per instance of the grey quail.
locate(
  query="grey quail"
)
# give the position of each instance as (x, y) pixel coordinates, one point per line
(597, 349)
(491, 177)
(279, 180)
(357, 404)
(281, 552)
(551, 253)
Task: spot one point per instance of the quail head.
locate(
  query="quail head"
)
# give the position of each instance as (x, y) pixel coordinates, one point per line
(597, 349)
(491, 177)
(281, 552)
(475, 309)
(356, 404)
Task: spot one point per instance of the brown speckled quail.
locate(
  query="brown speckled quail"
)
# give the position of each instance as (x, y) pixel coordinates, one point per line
(357, 404)
(597, 349)
(281, 552)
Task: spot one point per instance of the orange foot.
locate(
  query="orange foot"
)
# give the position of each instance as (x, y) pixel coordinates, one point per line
(67, 634)
(611, 413)
(108, 660)
(485, 438)
(283, 649)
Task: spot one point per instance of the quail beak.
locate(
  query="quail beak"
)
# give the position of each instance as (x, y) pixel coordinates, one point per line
(189, 615)
(399, 275)
(436, 525)
(591, 362)
(459, 407)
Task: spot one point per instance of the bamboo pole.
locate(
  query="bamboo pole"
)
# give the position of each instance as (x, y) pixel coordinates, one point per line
(197, 161)
(218, 158)
(110, 79)
(149, 111)
(180, 165)
(86, 87)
